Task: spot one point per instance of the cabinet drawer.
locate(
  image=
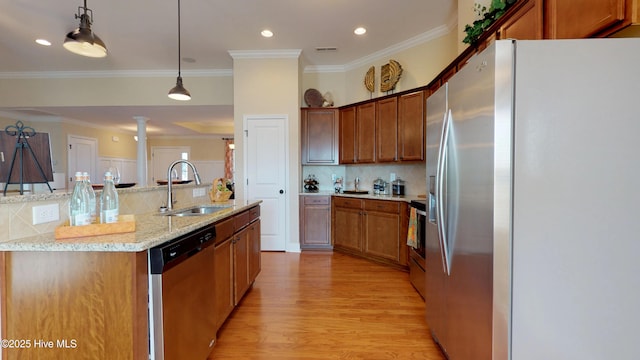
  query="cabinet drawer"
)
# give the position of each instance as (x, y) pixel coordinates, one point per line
(382, 206)
(316, 200)
(224, 230)
(244, 218)
(254, 213)
(347, 202)
(241, 220)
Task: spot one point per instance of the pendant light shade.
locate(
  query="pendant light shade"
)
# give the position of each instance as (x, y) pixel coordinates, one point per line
(179, 92)
(83, 41)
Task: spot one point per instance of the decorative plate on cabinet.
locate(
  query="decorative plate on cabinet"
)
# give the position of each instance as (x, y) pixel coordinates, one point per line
(313, 98)
(390, 75)
(370, 79)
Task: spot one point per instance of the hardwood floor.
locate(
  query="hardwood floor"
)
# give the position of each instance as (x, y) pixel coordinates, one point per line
(324, 305)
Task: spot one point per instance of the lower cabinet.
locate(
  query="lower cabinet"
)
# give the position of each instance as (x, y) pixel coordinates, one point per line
(237, 260)
(315, 222)
(246, 259)
(375, 229)
(346, 219)
(223, 273)
(255, 263)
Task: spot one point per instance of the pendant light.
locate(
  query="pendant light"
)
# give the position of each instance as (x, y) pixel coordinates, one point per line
(179, 92)
(83, 41)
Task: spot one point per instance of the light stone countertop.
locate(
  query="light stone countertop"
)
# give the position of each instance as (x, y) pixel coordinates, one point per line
(405, 198)
(151, 229)
(15, 197)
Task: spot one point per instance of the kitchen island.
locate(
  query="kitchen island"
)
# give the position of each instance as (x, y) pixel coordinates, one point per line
(86, 298)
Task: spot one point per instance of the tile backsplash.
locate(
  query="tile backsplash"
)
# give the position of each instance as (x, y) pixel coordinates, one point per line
(414, 176)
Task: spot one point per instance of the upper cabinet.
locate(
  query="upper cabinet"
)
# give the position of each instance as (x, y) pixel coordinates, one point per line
(366, 135)
(582, 18)
(387, 130)
(357, 134)
(526, 23)
(348, 135)
(319, 136)
(411, 129)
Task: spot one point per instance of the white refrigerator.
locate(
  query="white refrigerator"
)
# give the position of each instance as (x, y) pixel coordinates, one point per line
(533, 176)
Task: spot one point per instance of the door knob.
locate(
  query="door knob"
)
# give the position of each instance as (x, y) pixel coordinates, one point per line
(281, 191)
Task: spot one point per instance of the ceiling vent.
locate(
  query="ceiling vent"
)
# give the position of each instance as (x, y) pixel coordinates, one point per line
(326, 49)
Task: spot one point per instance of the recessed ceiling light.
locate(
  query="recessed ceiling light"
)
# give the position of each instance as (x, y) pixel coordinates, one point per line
(43, 42)
(266, 33)
(360, 31)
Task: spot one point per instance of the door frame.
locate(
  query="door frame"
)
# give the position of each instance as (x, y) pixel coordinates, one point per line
(287, 198)
(152, 168)
(94, 165)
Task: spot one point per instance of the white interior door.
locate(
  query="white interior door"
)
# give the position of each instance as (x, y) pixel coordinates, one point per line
(266, 176)
(82, 156)
(163, 156)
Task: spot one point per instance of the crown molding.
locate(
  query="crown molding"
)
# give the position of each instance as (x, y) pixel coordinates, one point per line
(318, 69)
(394, 49)
(265, 54)
(112, 74)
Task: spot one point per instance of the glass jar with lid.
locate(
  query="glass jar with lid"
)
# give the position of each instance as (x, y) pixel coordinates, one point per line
(398, 186)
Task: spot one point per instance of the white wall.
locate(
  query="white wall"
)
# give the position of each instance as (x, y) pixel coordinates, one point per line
(269, 86)
(420, 63)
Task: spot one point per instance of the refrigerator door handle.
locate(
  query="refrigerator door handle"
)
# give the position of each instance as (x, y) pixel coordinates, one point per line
(440, 170)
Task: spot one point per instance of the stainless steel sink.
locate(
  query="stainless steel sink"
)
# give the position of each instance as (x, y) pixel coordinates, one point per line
(197, 210)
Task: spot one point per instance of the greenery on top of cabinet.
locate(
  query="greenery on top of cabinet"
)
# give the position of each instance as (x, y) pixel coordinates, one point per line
(487, 17)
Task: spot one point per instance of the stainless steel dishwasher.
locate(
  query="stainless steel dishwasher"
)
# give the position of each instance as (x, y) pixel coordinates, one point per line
(182, 298)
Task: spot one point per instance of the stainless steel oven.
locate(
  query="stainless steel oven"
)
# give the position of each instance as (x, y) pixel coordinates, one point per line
(416, 255)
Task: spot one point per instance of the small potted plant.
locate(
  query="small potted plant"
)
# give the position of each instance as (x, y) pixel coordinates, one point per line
(486, 17)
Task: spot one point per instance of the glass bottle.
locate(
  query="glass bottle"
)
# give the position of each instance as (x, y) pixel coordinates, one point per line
(92, 196)
(79, 212)
(109, 207)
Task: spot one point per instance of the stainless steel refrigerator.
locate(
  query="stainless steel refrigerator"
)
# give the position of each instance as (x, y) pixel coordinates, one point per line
(533, 176)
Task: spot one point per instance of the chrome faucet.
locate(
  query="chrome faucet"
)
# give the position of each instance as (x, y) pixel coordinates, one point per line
(170, 180)
(357, 183)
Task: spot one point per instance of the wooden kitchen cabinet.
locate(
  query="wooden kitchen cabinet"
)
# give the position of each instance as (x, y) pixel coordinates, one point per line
(366, 133)
(94, 303)
(240, 265)
(237, 260)
(373, 229)
(315, 222)
(246, 251)
(581, 18)
(357, 134)
(346, 218)
(387, 130)
(319, 140)
(411, 130)
(390, 129)
(255, 263)
(383, 231)
(347, 135)
(223, 273)
(525, 24)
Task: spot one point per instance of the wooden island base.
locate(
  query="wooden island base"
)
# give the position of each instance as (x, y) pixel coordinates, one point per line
(74, 305)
